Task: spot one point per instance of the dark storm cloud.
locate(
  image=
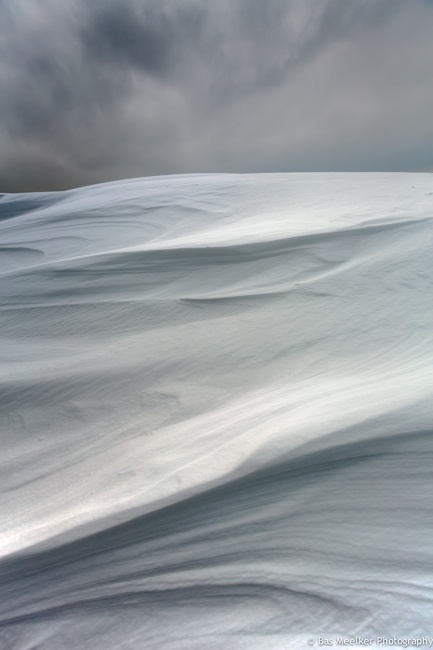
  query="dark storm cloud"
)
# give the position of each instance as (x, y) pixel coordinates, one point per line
(94, 91)
(143, 37)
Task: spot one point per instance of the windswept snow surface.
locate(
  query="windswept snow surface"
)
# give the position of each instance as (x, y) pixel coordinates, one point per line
(217, 412)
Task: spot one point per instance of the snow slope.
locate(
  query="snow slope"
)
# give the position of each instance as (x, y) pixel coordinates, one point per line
(217, 412)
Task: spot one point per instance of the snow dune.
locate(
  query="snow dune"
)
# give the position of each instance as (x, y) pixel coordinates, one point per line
(217, 412)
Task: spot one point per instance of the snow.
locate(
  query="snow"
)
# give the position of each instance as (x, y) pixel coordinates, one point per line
(216, 412)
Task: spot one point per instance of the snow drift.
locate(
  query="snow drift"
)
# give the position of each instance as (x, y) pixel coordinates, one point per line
(216, 412)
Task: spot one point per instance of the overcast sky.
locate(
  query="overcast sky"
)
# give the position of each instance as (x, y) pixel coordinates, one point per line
(94, 90)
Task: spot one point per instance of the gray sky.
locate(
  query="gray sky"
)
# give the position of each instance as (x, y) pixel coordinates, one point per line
(104, 89)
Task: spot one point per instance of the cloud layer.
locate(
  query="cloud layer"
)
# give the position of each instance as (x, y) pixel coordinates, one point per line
(110, 89)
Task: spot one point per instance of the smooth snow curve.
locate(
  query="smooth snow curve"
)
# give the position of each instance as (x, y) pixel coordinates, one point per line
(217, 412)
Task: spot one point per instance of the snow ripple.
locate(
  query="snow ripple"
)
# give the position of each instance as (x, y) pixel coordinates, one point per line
(216, 412)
